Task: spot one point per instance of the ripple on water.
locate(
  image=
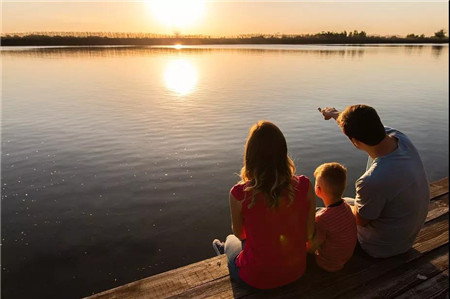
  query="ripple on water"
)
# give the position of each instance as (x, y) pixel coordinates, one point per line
(108, 177)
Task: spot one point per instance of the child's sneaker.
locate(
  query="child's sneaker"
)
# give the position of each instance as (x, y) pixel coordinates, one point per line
(219, 247)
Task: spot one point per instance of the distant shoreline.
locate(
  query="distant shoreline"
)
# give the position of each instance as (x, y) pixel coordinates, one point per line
(171, 41)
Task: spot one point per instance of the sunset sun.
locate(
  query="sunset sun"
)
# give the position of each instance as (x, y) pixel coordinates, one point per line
(177, 13)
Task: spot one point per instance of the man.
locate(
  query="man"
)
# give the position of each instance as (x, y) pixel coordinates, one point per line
(392, 196)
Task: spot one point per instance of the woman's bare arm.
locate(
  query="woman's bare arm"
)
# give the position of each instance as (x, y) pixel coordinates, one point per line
(237, 220)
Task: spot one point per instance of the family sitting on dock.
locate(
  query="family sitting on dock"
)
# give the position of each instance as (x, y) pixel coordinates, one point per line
(273, 210)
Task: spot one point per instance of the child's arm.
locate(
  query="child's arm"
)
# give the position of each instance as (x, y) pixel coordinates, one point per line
(237, 220)
(311, 213)
(315, 243)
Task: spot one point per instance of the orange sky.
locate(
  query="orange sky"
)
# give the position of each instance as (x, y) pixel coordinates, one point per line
(227, 18)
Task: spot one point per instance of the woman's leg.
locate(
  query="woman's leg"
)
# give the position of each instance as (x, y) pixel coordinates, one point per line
(233, 246)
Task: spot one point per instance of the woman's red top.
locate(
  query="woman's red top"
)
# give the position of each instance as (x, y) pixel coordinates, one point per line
(275, 247)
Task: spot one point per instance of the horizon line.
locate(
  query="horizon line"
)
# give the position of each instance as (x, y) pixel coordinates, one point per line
(123, 34)
(232, 1)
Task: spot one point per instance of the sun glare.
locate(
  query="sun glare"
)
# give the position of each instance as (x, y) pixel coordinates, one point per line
(180, 76)
(177, 13)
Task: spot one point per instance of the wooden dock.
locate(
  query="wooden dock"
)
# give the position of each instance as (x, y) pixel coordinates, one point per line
(422, 272)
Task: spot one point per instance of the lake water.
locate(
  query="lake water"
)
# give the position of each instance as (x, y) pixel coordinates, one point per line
(117, 161)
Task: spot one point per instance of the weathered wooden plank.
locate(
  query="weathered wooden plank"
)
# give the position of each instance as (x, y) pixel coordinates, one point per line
(170, 283)
(403, 278)
(436, 236)
(220, 288)
(433, 287)
(443, 294)
(319, 284)
(437, 207)
(439, 187)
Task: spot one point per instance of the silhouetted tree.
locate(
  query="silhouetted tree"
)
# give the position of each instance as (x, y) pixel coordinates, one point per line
(440, 34)
(357, 34)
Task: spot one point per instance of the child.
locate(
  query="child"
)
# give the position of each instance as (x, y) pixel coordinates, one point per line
(335, 235)
(272, 209)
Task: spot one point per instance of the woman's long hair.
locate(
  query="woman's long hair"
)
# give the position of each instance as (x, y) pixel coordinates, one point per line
(267, 166)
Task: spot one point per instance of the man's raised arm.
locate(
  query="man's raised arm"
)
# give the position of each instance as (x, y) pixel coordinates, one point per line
(328, 113)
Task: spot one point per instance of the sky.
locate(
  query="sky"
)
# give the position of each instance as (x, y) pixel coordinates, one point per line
(226, 18)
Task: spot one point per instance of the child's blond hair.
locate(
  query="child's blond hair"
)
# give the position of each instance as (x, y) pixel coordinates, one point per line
(334, 176)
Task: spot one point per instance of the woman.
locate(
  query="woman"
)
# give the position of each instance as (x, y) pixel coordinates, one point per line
(272, 214)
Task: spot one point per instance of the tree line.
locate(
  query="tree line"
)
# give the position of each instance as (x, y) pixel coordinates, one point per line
(115, 38)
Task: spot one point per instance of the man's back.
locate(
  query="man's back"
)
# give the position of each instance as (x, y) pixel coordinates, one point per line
(394, 195)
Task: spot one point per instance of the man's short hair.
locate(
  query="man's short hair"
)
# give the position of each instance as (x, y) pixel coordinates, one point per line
(335, 177)
(362, 123)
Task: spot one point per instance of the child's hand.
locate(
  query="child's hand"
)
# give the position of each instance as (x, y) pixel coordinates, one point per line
(329, 113)
(308, 245)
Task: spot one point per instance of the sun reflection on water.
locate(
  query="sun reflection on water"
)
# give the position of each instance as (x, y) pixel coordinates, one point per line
(181, 76)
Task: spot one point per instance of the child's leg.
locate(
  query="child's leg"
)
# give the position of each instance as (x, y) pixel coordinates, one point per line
(233, 246)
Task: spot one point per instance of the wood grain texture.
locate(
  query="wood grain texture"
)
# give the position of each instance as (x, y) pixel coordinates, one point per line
(403, 278)
(172, 282)
(437, 207)
(439, 187)
(431, 288)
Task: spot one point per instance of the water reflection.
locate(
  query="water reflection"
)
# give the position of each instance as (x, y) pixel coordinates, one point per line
(413, 49)
(282, 50)
(120, 51)
(98, 156)
(181, 76)
(436, 50)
